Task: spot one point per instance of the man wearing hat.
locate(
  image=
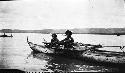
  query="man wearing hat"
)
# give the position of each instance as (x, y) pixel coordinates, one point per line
(68, 41)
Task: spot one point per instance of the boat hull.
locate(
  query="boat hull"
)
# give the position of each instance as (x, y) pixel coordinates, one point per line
(40, 48)
(5, 36)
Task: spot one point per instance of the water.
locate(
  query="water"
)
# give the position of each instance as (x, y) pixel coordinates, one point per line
(16, 54)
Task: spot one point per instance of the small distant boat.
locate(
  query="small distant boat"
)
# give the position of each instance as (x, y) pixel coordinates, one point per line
(4, 35)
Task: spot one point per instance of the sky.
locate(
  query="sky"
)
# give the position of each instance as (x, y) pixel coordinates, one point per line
(61, 14)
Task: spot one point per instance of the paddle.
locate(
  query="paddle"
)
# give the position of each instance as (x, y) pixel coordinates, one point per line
(121, 47)
(101, 46)
(81, 44)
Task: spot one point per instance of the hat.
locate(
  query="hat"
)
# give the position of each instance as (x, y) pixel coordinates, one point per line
(68, 32)
(54, 35)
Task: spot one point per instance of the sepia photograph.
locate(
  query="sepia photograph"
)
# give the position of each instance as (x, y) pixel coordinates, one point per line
(62, 36)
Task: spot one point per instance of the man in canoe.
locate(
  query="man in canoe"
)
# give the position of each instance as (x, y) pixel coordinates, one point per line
(68, 41)
(54, 44)
(54, 41)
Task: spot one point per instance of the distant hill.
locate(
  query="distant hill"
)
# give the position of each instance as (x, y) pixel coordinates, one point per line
(46, 31)
(104, 31)
(107, 31)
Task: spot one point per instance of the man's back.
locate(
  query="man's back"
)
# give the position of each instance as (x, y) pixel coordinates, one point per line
(54, 42)
(68, 42)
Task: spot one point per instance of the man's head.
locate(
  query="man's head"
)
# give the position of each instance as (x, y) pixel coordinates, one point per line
(68, 33)
(54, 35)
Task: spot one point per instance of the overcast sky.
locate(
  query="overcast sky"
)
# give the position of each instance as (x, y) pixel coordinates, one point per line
(60, 14)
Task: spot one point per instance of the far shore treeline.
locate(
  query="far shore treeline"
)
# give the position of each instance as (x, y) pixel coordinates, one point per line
(107, 31)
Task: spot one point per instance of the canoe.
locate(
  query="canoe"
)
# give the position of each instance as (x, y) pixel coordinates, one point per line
(5, 36)
(70, 52)
(88, 54)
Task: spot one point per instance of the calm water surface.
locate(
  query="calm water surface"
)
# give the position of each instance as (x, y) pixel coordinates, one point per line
(16, 54)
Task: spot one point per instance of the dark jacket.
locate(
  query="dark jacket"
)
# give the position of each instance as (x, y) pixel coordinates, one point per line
(67, 42)
(54, 42)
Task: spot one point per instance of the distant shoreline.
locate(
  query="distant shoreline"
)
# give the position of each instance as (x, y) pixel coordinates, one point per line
(118, 34)
(100, 31)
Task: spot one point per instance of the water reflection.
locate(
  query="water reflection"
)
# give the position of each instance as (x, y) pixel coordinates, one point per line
(61, 64)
